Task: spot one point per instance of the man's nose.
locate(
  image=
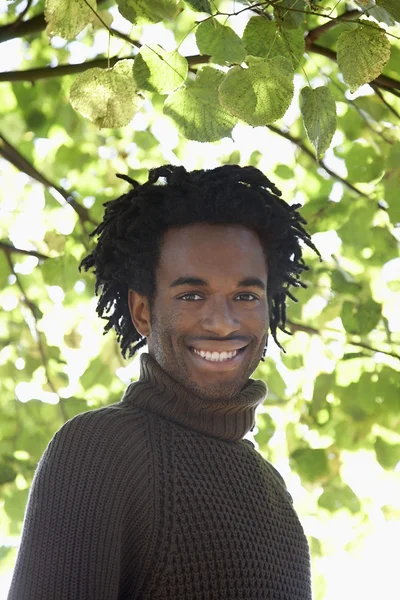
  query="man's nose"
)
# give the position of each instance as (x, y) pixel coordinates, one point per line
(220, 317)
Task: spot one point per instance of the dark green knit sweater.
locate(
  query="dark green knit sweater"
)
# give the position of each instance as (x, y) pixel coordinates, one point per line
(158, 497)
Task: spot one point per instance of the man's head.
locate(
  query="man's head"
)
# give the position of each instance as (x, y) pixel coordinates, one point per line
(228, 229)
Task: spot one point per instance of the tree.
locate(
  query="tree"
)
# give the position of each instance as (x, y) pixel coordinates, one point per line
(90, 89)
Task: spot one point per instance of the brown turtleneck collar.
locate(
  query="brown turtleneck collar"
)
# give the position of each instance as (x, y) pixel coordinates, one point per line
(157, 392)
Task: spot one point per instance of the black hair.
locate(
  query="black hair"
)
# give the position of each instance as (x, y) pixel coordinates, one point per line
(129, 237)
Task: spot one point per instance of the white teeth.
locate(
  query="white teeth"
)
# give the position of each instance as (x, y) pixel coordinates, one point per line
(216, 356)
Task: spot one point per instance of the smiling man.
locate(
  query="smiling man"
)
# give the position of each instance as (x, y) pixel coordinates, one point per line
(160, 496)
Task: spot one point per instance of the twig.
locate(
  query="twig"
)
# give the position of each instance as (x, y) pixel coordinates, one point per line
(13, 156)
(20, 29)
(312, 331)
(20, 17)
(383, 81)
(315, 33)
(35, 314)
(10, 249)
(62, 70)
(385, 102)
(320, 163)
(34, 25)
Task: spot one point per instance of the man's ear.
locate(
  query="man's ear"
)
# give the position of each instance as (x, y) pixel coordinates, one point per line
(140, 312)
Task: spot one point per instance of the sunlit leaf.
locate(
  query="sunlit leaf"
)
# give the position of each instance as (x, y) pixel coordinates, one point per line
(107, 97)
(362, 53)
(143, 11)
(319, 115)
(261, 93)
(159, 71)
(360, 318)
(196, 110)
(199, 5)
(67, 18)
(263, 38)
(220, 42)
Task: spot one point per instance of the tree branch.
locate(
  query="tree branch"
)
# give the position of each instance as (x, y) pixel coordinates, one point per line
(315, 33)
(38, 23)
(385, 102)
(19, 28)
(12, 155)
(383, 81)
(10, 249)
(320, 163)
(312, 331)
(14, 30)
(62, 70)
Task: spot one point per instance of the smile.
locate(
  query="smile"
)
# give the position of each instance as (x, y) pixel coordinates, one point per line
(217, 360)
(215, 356)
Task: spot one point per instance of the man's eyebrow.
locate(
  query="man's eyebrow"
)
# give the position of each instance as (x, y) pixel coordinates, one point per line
(196, 281)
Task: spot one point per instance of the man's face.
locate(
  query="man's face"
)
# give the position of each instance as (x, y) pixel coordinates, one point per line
(221, 312)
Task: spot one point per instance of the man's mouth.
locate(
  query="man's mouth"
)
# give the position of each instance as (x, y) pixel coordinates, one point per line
(218, 360)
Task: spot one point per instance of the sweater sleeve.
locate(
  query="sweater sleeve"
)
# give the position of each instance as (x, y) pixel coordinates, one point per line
(71, 539)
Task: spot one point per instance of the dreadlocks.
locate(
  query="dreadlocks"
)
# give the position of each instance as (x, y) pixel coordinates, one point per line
(130, 235)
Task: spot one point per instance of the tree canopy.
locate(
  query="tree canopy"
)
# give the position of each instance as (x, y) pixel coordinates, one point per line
(307, 91)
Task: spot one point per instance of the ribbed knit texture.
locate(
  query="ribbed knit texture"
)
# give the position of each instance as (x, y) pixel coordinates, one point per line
(159, 497)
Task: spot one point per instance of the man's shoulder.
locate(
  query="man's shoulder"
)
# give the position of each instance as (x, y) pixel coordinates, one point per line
(109, 427)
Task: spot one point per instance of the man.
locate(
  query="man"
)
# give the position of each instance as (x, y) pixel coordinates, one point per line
(160, 496)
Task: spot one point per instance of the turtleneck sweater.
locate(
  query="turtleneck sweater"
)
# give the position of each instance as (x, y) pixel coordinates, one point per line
(160, 497)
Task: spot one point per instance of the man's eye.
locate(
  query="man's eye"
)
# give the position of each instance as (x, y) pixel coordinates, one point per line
(190, 296)
(185, 296)
(252, 296)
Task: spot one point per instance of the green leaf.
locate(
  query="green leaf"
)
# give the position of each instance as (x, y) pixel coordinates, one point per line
(388, 455)
(7, 473)
(15, 505)
(264, 39)
(260, 94)
(4, 270)
(107, 97)
(384, 245)
(344, 283)
(62, 271)
(286, 16)
(199, 5)
(67, 18)
(320, 408)
(196, 110)
(318, 109)
(363, 163)
(143, 11)
(392, 183)
(337, 496)
(266, 429)
(159, 71)
(360, 319)
(311, 464)
(362, 52)
(220, 42)
(392, 6)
